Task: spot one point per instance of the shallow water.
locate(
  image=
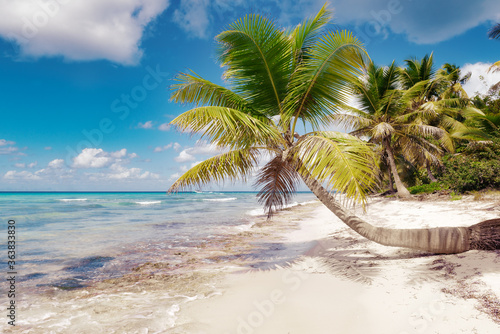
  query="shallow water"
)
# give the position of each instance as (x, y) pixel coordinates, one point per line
(67, 241)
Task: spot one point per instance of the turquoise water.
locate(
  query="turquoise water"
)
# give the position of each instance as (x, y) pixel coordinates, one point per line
(69, 239)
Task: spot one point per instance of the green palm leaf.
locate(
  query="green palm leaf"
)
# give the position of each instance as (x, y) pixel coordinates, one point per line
(228, 127)
(232, 165)
(343, 162)
(334, 62)
(256, 56)
(191, 88)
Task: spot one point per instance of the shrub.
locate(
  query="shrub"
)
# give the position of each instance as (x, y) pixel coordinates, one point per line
(467, 173)
(426, 188)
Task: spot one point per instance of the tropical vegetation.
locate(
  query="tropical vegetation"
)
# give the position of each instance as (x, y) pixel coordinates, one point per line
(284, 88)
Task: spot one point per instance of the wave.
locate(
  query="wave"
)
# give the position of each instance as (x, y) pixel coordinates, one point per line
(147, 202)
(220, 199)
(73, 199)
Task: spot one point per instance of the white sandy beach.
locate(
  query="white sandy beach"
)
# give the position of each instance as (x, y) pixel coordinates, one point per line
(346, 284)
(338, 282)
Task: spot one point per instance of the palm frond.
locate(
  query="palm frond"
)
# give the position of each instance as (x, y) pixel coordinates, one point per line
(191, 88)
(228, 127)
(345, 163)
(232, 165)
(278, 180)
(321, 84)
(350, 122)
(255, 54)
(305, 35)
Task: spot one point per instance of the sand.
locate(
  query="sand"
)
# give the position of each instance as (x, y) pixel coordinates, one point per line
(303, 272)
(347, 284)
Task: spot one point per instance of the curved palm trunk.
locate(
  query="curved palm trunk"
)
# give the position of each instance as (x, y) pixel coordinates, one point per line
(402, 191)
(443, 240)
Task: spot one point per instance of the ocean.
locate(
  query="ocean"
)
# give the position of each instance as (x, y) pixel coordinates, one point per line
(68, 241)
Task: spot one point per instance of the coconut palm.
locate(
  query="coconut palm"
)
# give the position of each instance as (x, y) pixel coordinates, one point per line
(278, 79)
(391, 118)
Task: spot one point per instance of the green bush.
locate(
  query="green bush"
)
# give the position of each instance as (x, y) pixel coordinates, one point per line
(426, 188)
(467, 173)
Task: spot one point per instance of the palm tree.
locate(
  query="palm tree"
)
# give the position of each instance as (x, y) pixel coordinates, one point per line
(394, 119)
(277, 79)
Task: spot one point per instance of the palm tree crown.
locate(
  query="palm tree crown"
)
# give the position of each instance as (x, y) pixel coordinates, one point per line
(277, 79)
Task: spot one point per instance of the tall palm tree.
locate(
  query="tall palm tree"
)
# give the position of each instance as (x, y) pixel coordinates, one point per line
(380, 119)
(277, 79)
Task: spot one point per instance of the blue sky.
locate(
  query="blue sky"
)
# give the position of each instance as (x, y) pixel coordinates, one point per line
(84, 84)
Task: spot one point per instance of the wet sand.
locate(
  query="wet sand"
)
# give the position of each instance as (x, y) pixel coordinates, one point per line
(303, 272)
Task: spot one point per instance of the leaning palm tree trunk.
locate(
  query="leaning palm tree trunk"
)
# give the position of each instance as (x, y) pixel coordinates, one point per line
(443, 240)
(402, 191)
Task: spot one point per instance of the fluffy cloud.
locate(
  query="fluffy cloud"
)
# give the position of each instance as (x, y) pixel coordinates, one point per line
(57, 163)
(184, 156)
(111, 165)
(147, 125)
(480, 80)
(201, 148)
(195, 16)
(79, 29)
(423, 22)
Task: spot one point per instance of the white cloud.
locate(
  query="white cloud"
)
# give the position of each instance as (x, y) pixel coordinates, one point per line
(177, 147)
(23, 165)
(98, 158)
(47, 148)
(147, 125)
(480, 80)
(79, 29)
(22, 175)
(8, 150)
(375, 18)
(164, 127)
(6, 147)
(92, 158)
(57, 163)
(184, 156)
(193, 17)
(162, 148)
(201, 148)
(119, 172)
(4, 142)
(174, 176)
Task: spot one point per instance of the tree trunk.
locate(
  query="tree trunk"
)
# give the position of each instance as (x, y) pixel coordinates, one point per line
(391, 184)
(442, 240)
(429, 173)
(402, 191)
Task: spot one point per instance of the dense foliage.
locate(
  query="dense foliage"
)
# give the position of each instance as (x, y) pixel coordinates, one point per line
(477, 167)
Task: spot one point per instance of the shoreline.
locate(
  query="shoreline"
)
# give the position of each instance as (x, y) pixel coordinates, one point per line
(347, 283)
(302, 272)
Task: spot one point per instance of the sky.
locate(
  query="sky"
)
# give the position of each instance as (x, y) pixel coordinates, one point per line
(85, 84)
